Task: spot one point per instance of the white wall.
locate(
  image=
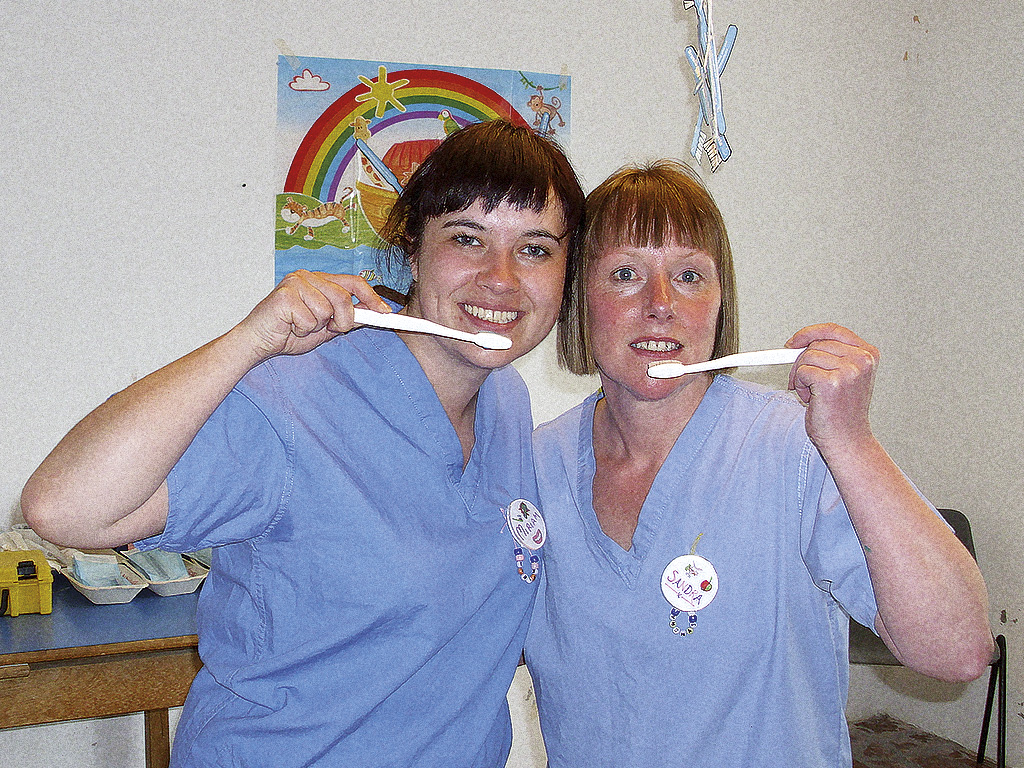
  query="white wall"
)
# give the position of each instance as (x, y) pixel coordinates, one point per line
(874, 182)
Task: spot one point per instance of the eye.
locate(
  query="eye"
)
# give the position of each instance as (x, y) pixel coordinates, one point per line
(463, 238)
(689, 276)
(535, 251)
(624, 274)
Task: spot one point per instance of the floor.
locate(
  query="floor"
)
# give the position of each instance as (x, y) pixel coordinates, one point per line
(884, 742)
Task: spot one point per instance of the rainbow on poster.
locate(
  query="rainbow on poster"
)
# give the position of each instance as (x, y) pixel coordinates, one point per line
(329, 146)
(351, 133)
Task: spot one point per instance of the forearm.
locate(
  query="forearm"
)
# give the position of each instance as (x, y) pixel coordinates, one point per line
(103, 483)
(932, 600)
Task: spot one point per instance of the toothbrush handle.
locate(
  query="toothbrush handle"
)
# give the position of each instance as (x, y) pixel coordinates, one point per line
(376, 319)
(397, 322)
(671, 369)
(761, 357)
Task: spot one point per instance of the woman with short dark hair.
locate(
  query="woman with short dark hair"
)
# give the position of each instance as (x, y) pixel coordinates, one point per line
(365, 606)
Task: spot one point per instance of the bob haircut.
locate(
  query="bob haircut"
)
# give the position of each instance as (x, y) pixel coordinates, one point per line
(494, 162)
(648, 206)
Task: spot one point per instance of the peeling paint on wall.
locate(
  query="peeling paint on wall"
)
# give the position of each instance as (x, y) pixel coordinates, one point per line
(912, 52)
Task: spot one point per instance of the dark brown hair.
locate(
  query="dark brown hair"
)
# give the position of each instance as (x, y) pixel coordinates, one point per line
(493, 162)
(648, 206)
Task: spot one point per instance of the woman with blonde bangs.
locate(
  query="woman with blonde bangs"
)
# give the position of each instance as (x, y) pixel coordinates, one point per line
(709, 539)
(648, 209)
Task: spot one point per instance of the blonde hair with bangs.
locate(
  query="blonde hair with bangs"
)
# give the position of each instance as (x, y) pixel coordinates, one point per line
(648, 206)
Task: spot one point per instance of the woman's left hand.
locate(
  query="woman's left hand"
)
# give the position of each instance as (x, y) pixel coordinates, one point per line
(834, 377)
(923, 579)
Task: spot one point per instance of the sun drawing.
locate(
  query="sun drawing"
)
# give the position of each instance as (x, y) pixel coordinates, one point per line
(382, 92)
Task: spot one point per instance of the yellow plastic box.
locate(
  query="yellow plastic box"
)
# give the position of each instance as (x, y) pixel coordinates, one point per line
(26, 583)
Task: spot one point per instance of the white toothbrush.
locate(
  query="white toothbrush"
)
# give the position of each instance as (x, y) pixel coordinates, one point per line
(671, 369)
(397, 322)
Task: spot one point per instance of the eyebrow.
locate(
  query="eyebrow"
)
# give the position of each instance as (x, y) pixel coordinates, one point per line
(469, 223)
(543, 233)
(475, 225)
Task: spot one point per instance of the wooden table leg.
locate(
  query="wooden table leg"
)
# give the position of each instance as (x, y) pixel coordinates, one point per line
(158, 739)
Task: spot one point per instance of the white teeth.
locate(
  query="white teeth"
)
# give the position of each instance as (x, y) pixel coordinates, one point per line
(498, 316)
(656, 346)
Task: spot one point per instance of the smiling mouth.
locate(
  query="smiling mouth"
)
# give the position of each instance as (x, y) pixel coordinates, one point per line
(656, 346)
(496, 316)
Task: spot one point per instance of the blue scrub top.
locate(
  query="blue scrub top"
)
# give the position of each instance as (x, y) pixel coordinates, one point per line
(364, 606)
(762, 680)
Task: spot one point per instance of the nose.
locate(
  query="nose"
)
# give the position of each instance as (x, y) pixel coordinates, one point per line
(500, 273)
(660, 298)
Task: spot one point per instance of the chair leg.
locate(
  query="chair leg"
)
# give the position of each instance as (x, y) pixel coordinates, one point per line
(997, 677)
(1001, 705)
(989, 699)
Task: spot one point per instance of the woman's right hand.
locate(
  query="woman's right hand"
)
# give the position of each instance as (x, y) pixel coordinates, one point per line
(104, 483)
(305, 310)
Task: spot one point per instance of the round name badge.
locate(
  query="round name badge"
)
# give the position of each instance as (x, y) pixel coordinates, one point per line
(689, 583)
(526, 524)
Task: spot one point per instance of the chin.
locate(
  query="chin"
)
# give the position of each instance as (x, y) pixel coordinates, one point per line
(648, 390)
(489, 359)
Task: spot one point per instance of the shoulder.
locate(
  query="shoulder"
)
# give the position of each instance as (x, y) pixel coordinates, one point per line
(750, 400)
(562, 433)
(507, 382)
(507, 397)
(362, 359)
(562, 452)
(567, 420)
(757, 395)
(750, 415)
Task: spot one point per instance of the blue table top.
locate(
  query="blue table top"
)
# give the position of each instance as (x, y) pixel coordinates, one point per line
(75, 622)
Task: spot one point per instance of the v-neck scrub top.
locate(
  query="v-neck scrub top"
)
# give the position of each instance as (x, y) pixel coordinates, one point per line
(762, 679)
(364, 607)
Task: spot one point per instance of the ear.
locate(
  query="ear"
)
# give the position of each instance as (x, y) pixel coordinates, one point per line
(414, 267)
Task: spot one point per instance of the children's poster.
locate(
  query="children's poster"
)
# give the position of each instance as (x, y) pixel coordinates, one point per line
(352, 133)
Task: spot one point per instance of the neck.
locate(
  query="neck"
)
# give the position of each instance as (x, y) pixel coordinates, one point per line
(644, 431)
(456, 387)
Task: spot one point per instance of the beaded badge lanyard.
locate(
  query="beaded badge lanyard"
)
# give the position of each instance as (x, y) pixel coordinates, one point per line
(689, 583)
(534, 564)
(528, 530)
(673, 614)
